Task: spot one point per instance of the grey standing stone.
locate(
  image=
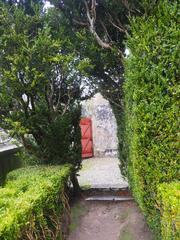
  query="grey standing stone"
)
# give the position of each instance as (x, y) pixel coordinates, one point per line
(104, 126)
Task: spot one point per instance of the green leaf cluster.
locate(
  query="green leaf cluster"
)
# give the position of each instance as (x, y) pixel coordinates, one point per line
(32, 203)
(169, 205)
(40, 84)
(152, 106)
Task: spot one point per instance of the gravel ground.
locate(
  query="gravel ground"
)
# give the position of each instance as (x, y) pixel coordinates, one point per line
(101, 173)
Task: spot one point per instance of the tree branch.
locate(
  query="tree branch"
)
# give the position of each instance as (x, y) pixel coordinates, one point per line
(67, 104)
(83, 24)
(91, 16)
(120, 27)
(106, 31)
(59, 93)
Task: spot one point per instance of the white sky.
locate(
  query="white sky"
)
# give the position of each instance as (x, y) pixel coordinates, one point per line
(47, 5)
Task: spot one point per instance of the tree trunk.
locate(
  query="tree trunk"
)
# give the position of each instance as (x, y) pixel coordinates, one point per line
(76, 187)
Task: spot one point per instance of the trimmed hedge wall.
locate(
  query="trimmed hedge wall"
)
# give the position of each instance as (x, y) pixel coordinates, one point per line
(151, 93)
(121, 133)
(32, 203)
(169, 205)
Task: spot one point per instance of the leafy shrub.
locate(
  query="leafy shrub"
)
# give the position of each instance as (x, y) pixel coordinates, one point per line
(40, 86)
(169, 204)
(32, 203)
(43, 109)
(151, 105)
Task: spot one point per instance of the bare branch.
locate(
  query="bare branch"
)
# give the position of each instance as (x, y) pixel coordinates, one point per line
(78, 22)
(91, 15)
(126, 4)
(67, 104)
(120, 27)
(46, 96)
(59, 93)
(51, 95)
(106, 31)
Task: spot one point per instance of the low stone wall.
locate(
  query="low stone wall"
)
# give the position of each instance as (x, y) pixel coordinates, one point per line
(8, 159)
(8, 162)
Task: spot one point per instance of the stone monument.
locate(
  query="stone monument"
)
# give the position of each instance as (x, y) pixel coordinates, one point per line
(104, 126)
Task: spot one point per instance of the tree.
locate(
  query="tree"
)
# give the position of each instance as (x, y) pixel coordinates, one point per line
(40, 87)
(94, 25)
(101, 28)
(27, 5)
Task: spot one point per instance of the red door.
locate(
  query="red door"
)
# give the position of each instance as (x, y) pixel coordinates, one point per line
(86, 137)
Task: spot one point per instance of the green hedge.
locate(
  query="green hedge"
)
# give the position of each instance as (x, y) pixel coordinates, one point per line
(151, 91)
(122, 147)
(169, 205)
(32, 202)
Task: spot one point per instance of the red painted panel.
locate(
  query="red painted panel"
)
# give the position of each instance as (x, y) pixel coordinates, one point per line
(86, 137)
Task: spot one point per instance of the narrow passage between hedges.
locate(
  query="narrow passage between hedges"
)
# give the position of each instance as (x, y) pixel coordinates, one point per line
(107, 220)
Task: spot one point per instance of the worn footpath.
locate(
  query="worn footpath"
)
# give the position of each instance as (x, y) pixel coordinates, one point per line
(104, 220)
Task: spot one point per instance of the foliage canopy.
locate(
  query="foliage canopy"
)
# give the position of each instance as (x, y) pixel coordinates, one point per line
(40, 88)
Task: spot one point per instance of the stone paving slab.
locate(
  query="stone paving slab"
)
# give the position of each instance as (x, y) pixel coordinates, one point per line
(101, 173)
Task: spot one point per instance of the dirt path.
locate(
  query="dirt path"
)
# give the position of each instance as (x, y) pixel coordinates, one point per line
(107, 221)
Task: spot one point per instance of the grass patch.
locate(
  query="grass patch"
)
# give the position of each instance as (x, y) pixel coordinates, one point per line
(126, 235)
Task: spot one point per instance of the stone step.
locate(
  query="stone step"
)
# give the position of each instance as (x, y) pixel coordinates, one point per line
(107, 191)
(109, 198)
